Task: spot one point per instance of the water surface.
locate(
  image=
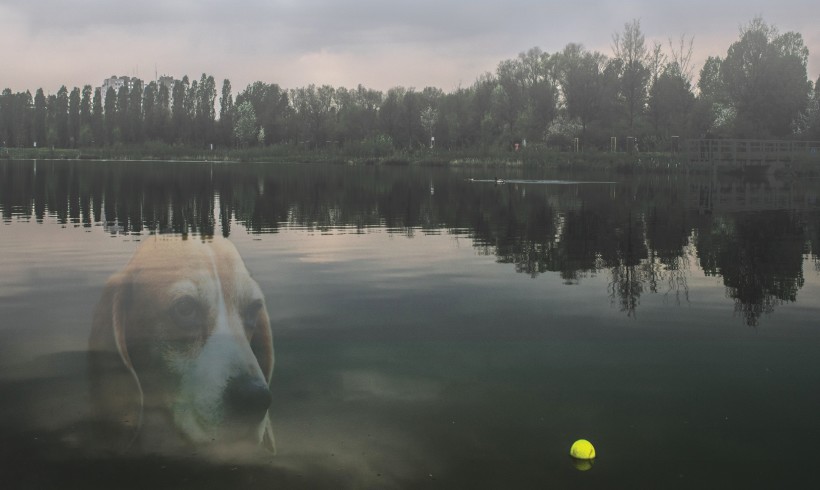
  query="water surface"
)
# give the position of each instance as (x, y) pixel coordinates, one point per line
(435, 328)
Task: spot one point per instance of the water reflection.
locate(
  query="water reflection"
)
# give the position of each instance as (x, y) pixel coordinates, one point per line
(760, 259)
(646, 234)
(402, 363)
(181, 351)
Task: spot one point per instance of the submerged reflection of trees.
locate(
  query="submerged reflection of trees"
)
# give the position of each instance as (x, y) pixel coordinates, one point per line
(759, 256)
(123, 198)
(644, 234)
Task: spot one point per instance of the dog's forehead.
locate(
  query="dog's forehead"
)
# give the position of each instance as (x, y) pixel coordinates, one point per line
(165, 261)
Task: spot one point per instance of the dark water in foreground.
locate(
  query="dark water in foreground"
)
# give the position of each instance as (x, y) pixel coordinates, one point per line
(433, 332)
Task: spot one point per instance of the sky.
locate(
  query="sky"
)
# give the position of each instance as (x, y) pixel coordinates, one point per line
(377, 43)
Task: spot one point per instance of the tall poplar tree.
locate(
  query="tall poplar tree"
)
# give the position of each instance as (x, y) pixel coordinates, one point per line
(135, 116)
(111, 118)
(40, 114)
(97, 118)
(74, 100)
(205, 116)
(85, 135)
(163, 112)
(226, 110)
(149, 110)
(190, 103)
(60, 110)
(123, 115)
(179, 114)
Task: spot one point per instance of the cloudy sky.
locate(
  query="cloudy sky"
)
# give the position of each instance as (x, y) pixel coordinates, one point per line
(378, 43)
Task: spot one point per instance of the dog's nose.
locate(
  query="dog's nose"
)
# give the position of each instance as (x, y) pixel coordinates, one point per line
(247, 398)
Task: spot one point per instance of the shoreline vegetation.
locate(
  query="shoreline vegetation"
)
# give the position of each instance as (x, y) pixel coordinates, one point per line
(489, 156)
(532, 156)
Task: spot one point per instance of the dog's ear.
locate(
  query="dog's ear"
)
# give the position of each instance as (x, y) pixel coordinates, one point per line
(262, 344)
(268, 441)
(115, 387)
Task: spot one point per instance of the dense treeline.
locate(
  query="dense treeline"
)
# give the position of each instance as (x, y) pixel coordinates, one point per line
(760, 89)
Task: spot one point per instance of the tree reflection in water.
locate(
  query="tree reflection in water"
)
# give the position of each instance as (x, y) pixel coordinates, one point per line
(643, 232)
(759, 256)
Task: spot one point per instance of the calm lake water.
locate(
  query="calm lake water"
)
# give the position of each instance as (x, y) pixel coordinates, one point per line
(433, 331)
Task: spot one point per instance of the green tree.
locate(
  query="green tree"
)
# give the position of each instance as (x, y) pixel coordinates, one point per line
(484, 128)
(414, 104)
(97, 118)
(766, 81)
(179, 111)
(204, 113)
(271, 104)
(540, 72)
(51, 120)
(582, 83)
(190, 104)
(509, 99)
(811, 122)
(40, 114)
(162, 114)
(356, 114)
(630, 48)
(123, 114)
(74, 102)
(670, 102)
(135, 114)
(16, 118)
(390, 116)
(429, 117)
(226, 110)
(85, 106)
(60, 110)
(315, 113)
(457, 119)
(149, 110)
(85, 134)
(6, 117)
(26, 125)
(245, 129)
(712, 114)
(112, 134)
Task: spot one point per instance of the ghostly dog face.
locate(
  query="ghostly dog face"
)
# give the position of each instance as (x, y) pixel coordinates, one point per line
(191, 328)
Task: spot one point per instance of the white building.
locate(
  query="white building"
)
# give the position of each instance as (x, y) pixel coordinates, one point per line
(168, 82)
(116, 83)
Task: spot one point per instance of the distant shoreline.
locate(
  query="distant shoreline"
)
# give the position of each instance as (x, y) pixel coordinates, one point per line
(534, 156)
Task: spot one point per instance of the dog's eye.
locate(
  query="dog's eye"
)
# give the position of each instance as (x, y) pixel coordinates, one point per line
(185, 311)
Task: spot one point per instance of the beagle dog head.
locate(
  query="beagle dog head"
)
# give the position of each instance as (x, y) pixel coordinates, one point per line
(181, 346)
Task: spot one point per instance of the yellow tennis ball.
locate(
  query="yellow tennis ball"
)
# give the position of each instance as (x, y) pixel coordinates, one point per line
(582, 449)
